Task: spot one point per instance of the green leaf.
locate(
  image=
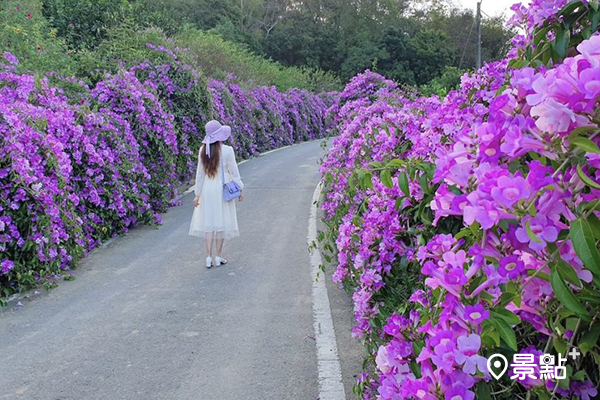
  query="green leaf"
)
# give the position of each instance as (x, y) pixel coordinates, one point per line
(500, 90)
(594, 225)
(530, 233)
(540, 34)
(463, 232)
(540, 275)
(395, 163)
(585, 144)
(594, 15)
(567, 272)
(570, 18)
(368, 180)
(582, 130)
(586, 179)
(403, 184)
(505, 331)
(489, 335)
(569, 7)
(483, 391)
(398, 203)
(386, 178)
(508, 316)
(561, 43)
(565, 295)
(559, 345)
(590, 338)
(589, 296)
(584, 244)
(423, 182)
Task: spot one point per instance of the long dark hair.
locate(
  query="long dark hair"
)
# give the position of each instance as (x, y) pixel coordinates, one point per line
(211, 164)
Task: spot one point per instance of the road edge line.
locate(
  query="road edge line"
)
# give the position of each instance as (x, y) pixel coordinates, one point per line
(328, 363)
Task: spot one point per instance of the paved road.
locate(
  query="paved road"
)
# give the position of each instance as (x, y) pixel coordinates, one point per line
(146, 320)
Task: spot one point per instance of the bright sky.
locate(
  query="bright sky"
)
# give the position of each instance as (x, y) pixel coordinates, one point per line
(492, 7)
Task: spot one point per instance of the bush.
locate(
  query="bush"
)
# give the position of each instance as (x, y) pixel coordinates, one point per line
(450, 80)
(26, 34)
(264, 118)
(70, 178)
(469, 226)
(219, 58)
(152, 128)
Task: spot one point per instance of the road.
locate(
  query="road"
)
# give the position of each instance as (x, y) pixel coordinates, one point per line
(146, 320)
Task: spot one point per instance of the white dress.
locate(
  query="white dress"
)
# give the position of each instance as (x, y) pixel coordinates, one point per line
(215, 215)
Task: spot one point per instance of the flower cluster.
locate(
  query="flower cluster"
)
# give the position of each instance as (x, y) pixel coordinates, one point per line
(69, 178)
(81, 164)
(183, 92)
(265, 118)
(469, 226)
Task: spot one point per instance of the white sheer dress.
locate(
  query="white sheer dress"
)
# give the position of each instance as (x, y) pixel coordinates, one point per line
(215, 217)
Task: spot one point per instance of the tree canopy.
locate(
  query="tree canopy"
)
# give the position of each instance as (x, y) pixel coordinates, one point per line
(410, 41)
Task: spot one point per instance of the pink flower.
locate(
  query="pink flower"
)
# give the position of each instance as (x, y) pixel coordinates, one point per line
(543, 230)
(511, 267)
(476, 314)
(481, 210)
(510, 190)
(590, 49)
(468, 346)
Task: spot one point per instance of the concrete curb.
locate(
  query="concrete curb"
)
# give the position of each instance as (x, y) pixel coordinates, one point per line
(328, 362)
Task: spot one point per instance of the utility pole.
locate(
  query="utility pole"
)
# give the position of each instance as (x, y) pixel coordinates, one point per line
(479, 34)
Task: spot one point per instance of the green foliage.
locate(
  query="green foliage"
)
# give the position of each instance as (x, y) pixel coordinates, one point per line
(459, 26)
(440, 86)
(26, 34)
(126, 45)
(205, 14)
(406, 40)
(219, 58)
(85, 23)
(431, 54)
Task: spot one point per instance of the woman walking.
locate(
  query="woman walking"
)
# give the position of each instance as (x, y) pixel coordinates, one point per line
(214, 217)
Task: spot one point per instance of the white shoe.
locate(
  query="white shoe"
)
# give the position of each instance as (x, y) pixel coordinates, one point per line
(217, 261)
(209, 262)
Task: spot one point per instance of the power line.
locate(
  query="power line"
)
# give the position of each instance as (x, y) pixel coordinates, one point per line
(479, 34)
(466, 44)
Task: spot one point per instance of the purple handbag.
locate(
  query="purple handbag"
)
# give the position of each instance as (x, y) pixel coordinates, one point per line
(231, 190)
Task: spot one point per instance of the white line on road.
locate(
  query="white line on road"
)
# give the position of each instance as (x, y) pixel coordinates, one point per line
(330, 372)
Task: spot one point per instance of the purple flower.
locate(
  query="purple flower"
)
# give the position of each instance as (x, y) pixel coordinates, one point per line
(542, 231)
(468, 346)
(583, 390)
(11, 58)
(511, 267)
(6, 266)
(459, 392)
(476, 314)
(510, 190)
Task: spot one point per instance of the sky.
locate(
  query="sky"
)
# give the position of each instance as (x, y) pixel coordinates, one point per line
(492, 7)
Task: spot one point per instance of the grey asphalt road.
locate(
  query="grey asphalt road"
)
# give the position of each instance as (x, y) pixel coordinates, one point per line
(146, 320)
